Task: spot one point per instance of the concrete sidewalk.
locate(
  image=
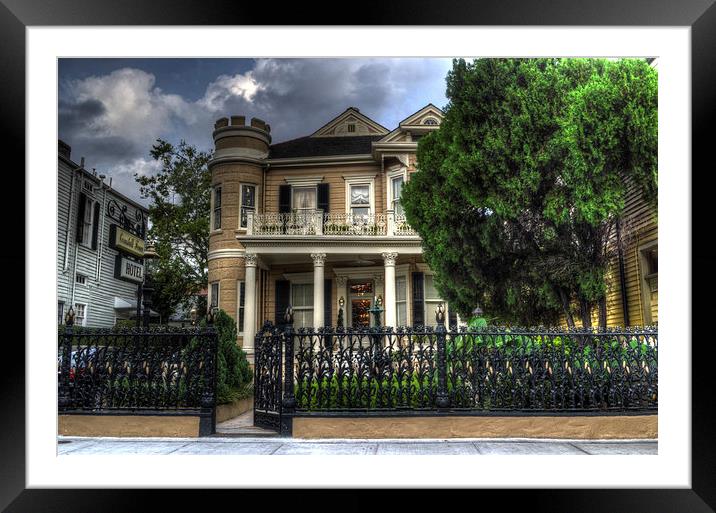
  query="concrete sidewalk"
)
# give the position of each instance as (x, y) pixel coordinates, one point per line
(72, 446)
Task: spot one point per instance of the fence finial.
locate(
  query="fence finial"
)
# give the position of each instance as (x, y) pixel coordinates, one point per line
(288, 316)
(440, 314)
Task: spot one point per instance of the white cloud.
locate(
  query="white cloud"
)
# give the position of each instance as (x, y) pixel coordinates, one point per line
(114, 119)
(226, 87)
(133, 107)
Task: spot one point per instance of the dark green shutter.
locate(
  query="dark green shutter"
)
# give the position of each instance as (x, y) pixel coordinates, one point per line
(322, 197)
(327, 302)
(81, 217)
(242, 298)
(418, 298)
(95, 228)
(283, 299)
(284, 199)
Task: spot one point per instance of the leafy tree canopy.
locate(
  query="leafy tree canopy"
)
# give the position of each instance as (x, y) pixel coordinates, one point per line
(517, 193)
(179, 196)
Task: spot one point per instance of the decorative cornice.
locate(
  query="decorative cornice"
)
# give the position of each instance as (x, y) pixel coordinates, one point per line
(225, 253)
(235, 159)
(322, 161)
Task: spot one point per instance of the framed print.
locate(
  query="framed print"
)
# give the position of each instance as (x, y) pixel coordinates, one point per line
(41, 38)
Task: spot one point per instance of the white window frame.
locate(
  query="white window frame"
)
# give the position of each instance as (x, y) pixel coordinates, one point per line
(300, 279)
(402, 271)
(240, 309)
(80, 279)
(86, 309)
(213, 201)
(368, 180)
(389, 177)
(294, 208)
(211, 293)
(241, 201)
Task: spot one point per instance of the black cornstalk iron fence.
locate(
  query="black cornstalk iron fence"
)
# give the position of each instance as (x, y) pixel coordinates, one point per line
(138, 371)
(425, 370)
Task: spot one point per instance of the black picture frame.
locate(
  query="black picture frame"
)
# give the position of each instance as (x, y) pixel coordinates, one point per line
(16, 15)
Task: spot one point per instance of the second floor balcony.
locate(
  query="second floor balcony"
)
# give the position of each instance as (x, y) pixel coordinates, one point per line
(318, 223)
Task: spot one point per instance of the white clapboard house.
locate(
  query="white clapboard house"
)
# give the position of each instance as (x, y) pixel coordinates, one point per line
(99, 243)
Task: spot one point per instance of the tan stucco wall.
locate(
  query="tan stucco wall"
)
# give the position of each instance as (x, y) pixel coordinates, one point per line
(230, 176)
(128, 425)
(577, 427)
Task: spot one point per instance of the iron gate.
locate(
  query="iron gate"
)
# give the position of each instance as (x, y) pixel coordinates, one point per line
(268, 377)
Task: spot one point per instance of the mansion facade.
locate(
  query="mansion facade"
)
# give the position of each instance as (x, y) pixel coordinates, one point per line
(316, 223)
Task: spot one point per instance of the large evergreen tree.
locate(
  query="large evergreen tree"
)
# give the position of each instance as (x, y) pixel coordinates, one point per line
(517, 193)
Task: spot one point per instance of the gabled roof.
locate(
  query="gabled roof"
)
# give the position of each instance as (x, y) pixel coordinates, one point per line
(416, 122)
(364, 125)
(323, 146)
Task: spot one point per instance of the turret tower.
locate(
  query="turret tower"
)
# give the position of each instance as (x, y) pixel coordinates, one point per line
(237, 178)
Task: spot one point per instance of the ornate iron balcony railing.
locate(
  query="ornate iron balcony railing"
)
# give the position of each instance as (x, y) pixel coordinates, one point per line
(318, 223)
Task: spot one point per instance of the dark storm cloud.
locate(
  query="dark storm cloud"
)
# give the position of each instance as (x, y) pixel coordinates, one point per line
(114, 118)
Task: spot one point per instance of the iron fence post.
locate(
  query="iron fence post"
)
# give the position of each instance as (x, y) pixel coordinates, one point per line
(442, 400)
(208, 396)
(288, 404)
(64, 396)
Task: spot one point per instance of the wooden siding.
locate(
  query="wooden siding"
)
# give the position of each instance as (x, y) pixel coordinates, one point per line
(101, 287)
(334, 176)
(639, 231)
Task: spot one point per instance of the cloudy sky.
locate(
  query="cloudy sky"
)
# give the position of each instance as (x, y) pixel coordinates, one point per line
(112, 110)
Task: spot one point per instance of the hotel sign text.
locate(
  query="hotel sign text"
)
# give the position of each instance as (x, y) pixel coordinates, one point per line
(125, 242)
(128, 270)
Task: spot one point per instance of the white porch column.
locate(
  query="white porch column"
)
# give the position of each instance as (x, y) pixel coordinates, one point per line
(318, 287)
(389, 287)
(250, 303)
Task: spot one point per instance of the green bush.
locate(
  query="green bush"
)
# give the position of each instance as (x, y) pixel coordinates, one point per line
(233, 373)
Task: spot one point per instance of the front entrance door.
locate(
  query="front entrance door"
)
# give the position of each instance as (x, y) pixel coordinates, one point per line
(361, 298)
(360, 316)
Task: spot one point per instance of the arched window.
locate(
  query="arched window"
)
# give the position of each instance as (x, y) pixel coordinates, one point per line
(430, 121)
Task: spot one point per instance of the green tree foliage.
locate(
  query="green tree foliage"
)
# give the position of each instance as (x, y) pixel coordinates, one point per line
(232, 367)
(517, 193)
(180, 195)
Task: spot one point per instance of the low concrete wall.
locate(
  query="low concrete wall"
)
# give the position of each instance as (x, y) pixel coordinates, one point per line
(231, 410)
(129, 425)
(571, 427)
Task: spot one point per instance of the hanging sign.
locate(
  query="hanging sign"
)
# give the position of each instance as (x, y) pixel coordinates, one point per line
(123, 241)
(128, 270)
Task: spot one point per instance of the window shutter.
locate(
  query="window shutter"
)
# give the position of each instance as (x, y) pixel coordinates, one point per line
(418, 297)
(322, 198)
(327, 302)
(283, 299)
(81, 217)
(284, 199)
(95, 225)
